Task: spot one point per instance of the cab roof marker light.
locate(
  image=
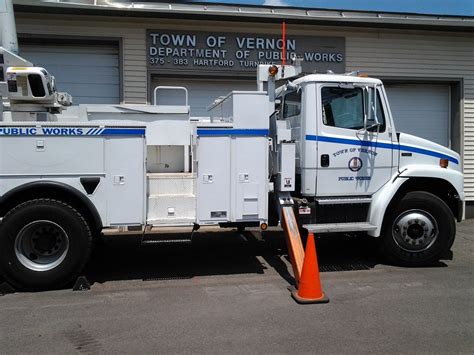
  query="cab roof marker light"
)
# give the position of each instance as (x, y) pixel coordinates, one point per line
(353, 73)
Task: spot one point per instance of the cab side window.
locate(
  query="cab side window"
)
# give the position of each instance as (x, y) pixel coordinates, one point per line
(343, 107)
(292, 104)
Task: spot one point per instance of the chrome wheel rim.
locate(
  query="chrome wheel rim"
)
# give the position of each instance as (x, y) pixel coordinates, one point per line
(415, 230)
(41, 245)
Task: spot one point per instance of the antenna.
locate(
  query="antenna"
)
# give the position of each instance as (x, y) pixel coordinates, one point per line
(283, 48)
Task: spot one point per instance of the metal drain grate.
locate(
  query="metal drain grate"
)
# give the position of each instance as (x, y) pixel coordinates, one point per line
(344, 267)
(168, 278)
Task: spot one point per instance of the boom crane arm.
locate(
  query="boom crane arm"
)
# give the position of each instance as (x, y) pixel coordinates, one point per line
(9, 40)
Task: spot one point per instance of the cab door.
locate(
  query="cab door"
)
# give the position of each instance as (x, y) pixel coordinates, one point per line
(354, 159)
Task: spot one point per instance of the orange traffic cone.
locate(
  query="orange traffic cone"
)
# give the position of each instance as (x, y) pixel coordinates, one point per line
(309, 288)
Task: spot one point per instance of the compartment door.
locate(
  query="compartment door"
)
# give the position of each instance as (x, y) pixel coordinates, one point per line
(213, 181)
(125, 179)
(250, 155)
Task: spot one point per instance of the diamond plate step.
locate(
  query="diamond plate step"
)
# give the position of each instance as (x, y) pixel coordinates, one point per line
(340, 227)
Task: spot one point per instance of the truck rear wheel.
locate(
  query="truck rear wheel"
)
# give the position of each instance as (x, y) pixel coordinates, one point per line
(44, 244)
(419, 231)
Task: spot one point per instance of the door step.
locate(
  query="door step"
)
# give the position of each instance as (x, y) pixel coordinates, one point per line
(171, 222)
(343, 200)
(155, 239)
(340, 227)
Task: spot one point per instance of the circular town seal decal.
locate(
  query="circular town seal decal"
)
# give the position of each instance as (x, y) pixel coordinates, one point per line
(355, 164)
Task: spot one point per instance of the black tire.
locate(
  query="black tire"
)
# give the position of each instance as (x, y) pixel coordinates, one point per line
(44, 244)
(419, 231)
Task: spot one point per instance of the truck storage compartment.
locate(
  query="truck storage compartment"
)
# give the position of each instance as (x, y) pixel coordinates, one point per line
(125, 180)
(231, 160)
(168, 133)
(232, 179)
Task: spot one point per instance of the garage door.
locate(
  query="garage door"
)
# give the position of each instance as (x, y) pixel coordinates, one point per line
(421, 110)
(90, 73)
(202, 92)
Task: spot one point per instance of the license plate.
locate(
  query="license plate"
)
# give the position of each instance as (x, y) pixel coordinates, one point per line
(304, 210)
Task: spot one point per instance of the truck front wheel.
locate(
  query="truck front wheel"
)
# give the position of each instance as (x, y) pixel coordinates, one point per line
(44, 244)
(419, 231)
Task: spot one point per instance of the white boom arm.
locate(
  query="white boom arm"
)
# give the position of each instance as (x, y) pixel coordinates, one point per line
(9, 39)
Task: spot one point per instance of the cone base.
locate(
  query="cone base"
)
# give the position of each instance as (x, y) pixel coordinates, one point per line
(301, 300)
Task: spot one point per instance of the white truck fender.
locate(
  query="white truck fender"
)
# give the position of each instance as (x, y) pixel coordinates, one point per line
(382, 198)
(454, 177)
(380, 202)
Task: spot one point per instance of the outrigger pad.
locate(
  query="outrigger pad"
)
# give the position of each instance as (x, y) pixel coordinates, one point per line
(82, 284)
(6, 288)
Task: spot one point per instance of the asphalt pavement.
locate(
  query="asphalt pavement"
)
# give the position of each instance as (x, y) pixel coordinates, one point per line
(227, 293)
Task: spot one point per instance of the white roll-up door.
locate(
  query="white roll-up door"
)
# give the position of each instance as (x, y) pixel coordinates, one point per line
(90, 73)
(202, 92)
(421, 110)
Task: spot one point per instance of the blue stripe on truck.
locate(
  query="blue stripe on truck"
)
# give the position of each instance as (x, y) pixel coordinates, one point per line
(382, 145)
(123, 132)
(69, 131)
(232, 132)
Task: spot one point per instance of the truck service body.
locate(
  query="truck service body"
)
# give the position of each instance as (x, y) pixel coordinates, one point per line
(324, 144)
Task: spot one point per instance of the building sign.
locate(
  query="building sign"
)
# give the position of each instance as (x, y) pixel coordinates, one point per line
(191, 50)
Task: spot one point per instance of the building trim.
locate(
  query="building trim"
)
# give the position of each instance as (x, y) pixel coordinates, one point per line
(258, 14)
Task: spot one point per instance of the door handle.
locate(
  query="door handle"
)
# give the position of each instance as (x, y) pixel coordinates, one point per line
(324, 160)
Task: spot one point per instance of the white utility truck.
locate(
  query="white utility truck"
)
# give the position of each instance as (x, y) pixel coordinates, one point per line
(324, 144)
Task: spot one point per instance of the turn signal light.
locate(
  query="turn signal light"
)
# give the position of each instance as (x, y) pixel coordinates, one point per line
(263, 226)
(443, 163)
(273, 70)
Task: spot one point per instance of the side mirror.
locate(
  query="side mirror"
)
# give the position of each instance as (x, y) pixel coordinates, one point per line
(53, 84)
(370, 108)
(373, 127)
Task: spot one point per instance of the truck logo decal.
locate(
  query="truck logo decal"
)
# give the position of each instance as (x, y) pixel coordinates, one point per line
(355, 164)
(70, 131)
(355, 150)
(383, 145)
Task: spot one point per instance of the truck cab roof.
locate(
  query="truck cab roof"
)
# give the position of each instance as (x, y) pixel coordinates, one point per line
(336, 78)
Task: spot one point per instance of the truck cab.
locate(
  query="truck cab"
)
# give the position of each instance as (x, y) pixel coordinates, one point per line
(355, 173)
(340, 151)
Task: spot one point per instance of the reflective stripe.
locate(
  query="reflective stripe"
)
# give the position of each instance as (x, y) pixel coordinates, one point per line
(122, 132)
(11, 131)
(232, 132)
(383, 145)
(427, 152)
